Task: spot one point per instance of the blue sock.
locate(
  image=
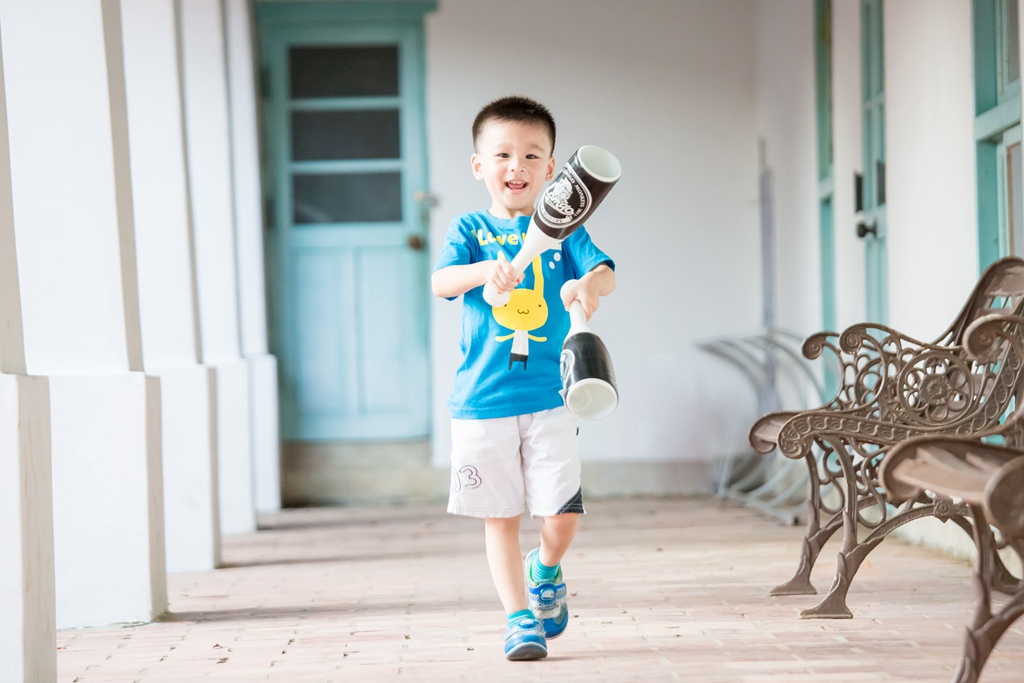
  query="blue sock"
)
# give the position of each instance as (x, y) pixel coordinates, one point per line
(516, 617)
(540, 572)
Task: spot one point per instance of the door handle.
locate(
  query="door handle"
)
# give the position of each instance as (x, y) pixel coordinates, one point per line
(428, 199)
(880, 181)
(863, 229)
(415, 242)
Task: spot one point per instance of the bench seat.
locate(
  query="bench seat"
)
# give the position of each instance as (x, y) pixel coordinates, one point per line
(989, 479)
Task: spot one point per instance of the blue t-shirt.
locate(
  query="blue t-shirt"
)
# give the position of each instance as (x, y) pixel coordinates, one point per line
(511, 353)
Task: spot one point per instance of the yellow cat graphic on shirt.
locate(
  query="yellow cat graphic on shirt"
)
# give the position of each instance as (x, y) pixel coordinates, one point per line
(526, 310)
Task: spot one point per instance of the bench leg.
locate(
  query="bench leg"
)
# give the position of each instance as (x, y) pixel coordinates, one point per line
(1003, 579)
(853, 552)
(815, 537)
(833, 605)
(985, 628)
(814, 540)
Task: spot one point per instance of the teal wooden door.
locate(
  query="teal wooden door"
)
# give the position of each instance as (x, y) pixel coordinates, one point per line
(345, 168)
(873, 227)
(826, 162)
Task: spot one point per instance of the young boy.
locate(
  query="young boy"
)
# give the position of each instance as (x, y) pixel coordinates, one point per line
(514, 443)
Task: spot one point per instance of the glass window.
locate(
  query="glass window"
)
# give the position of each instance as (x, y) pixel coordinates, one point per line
(347, 198)
(333, 135)
(369, 71)
(997, 97)
(1012, 41)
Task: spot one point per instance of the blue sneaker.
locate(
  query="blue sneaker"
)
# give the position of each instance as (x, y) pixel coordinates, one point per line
(525, 640)
(547, 600)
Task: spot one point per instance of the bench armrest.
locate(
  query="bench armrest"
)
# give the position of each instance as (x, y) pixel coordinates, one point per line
(960, 468)
(764, 434)
(1004, 498)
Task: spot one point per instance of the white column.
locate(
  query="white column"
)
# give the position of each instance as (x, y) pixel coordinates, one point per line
(249, 242)
(28, 646)
(167, 285)
(71, 194)
(108, 502)
(208, 145)
(27, 621)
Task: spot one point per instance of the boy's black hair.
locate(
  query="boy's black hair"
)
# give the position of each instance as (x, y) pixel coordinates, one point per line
(515, 108)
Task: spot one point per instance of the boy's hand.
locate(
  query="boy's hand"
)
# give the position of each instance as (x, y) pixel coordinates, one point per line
(589, 289)
(585, 292)
(502, 276)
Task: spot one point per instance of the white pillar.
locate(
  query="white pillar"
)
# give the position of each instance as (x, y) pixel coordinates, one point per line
(249, 242)
(208, 144)
(27, 621)
(108, 502)
(71, 194)
(28, 646)
(167, 286)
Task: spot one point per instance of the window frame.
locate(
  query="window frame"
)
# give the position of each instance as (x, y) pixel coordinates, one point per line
(997, 121)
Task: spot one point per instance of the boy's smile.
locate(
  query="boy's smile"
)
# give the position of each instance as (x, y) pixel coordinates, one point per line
(514, 161)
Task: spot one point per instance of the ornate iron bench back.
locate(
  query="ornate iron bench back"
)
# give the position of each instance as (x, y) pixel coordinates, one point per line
(893, 378)
(1000, 289)
(945, 388)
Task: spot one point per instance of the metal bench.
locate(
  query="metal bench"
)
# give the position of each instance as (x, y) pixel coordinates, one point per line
(989, 480)
(893, 387)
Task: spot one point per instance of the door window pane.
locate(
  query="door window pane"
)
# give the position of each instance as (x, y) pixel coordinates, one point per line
(369, 71)
(326, 135)
(347, 198)
(1014, 199)
(1012, 42)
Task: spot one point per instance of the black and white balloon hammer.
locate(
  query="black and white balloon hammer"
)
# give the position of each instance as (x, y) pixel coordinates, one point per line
(571, 197)
(588, 379)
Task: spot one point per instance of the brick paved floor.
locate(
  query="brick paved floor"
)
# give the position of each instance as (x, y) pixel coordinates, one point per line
(661, 589)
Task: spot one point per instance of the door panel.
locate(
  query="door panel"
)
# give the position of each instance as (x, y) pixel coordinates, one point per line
(826, 163)
(319, 350)
(873, 227)
(345, 160)
(382, 379)
(1014, 191)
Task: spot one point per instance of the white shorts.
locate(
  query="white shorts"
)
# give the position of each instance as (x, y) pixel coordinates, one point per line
(503, 465)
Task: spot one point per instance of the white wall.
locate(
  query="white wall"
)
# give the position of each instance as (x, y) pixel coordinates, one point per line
(930, 162)
(669, 87)
(933, 262)
(786, 122)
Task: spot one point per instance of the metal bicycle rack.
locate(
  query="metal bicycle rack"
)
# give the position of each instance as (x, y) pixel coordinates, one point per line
(782, 379)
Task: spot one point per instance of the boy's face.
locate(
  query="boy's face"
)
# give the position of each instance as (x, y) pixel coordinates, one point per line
(514, 161)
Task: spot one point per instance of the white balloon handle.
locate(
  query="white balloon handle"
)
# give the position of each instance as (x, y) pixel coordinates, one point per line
(588, 379)
(534, 245)
(577, 316)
